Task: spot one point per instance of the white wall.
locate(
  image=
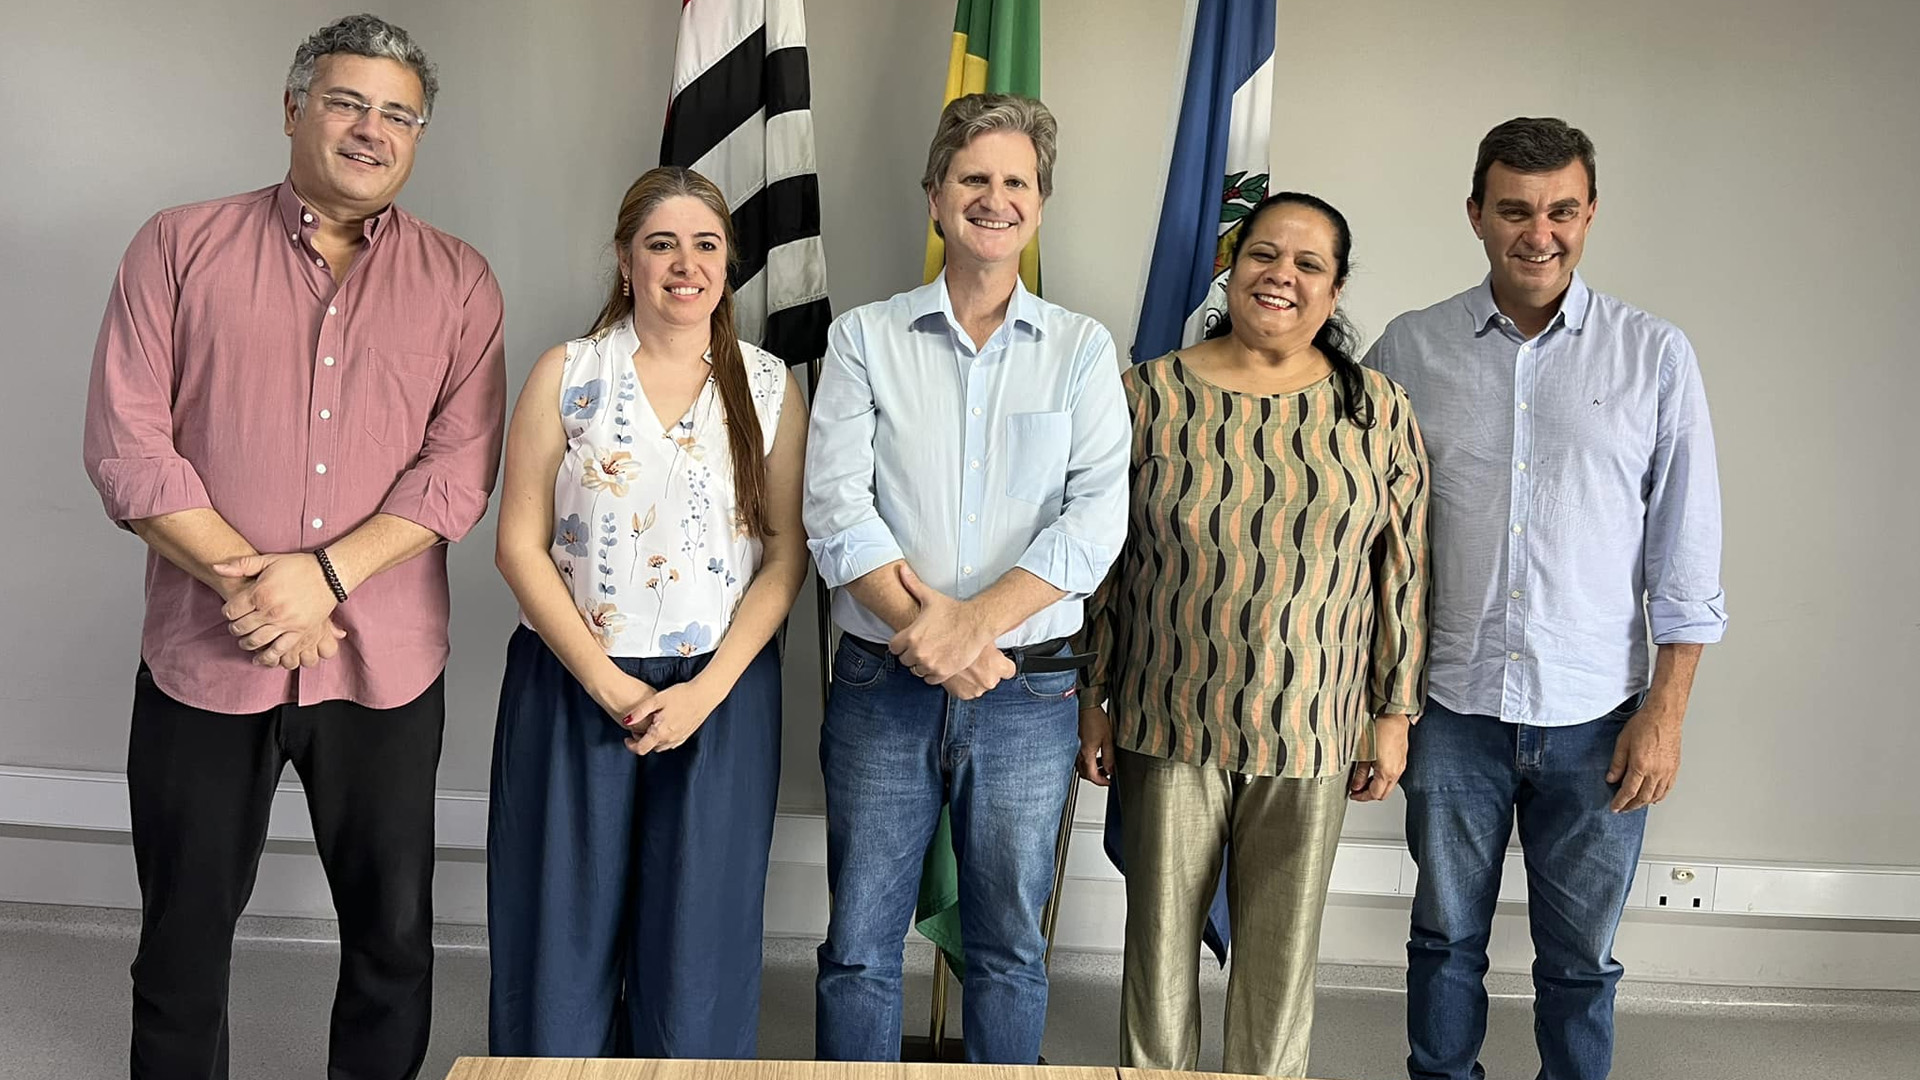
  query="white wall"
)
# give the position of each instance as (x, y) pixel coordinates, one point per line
(1755, 161)
(1753, 165)
(91, 153)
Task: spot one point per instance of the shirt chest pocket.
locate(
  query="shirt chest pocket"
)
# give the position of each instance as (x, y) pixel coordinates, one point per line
(1590, 451)
(1038, 447)
(397, 394)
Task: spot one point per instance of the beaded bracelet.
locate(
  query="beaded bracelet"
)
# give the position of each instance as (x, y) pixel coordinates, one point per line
(333, 579)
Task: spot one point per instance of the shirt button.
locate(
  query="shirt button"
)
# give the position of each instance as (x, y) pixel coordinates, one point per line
(1523, 406)
(966, 569)
(976, 410)
(1517, 530)
(326, 414)
(971, 518)
(316, 523)
(308, 218)
(1515, 594)
(1513, 656)
(317, 261)
(974, 465)
(1525, 348)
(328, 361)
(1522, 466)
(319, 468)
(293, 238)
(331, 310)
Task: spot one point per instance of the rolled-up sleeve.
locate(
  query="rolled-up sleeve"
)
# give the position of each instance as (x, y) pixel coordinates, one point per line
(1075, 551)
(1399, 561)
(447, 487)
(1101, 632)
(845, 533)
(1685, 603)
(127, 445)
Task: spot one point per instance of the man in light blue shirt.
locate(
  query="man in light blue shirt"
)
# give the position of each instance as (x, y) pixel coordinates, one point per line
(1575, 514)
(966, 490)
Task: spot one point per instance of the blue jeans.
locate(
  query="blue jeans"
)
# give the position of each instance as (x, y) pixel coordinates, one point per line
(1467, 779)
(892, 749)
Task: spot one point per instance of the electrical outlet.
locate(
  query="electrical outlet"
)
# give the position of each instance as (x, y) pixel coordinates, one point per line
(1680, 887)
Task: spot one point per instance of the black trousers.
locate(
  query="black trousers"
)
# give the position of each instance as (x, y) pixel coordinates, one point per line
(201, 785)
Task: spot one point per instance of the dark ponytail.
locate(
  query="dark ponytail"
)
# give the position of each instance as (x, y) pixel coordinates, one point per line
(1337, 339)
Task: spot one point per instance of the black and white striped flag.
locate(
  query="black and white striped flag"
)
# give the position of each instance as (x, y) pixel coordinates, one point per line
(739, 116)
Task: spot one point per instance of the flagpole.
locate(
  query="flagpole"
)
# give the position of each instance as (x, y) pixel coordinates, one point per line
(1050, 915)
(937, 1023)
(822, 602)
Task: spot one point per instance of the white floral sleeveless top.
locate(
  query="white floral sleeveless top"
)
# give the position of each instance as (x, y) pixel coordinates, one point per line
(645, 530)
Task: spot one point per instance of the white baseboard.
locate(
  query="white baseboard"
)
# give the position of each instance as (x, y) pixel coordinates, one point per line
(1754, 924)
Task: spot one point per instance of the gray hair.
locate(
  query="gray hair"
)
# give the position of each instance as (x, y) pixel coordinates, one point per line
(1533, 144)
(361, 35)
(967, 118)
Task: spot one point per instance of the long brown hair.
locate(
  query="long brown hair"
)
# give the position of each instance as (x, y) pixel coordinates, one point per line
(729, 365)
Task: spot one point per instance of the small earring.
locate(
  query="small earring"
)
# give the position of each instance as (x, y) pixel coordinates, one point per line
(626, 288)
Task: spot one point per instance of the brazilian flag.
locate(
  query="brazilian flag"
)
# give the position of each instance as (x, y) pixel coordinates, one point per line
(996, 49)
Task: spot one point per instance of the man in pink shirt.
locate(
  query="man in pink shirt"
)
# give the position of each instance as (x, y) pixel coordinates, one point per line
(296, 397)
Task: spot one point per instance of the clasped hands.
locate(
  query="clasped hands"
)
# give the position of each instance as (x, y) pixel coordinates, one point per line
(950, 643)
(656, 719)
(281, 609)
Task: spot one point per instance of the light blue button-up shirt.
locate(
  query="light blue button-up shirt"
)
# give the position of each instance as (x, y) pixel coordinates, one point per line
(967, 462)
(1575, 501)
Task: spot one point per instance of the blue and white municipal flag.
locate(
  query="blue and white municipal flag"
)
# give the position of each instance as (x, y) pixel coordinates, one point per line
(1216, 173)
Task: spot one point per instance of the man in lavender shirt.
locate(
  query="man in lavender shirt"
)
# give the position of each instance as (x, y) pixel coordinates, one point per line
(296, 398)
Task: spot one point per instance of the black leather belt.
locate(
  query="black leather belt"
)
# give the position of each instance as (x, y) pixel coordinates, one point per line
(1039, 659)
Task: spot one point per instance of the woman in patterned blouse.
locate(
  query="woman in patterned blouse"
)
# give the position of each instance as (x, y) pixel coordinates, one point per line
(650, 528)
(1262, 639)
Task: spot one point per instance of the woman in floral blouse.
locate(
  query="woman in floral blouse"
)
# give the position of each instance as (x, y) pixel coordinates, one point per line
(650, 529)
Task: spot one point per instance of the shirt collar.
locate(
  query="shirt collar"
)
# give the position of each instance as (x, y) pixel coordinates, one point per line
(1481, 306)
(1572, 313)
(624, 340)
(1573, 308)
(933, 299)
(299, 222)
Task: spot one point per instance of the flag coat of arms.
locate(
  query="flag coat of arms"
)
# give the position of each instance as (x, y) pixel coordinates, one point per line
(1217, 171)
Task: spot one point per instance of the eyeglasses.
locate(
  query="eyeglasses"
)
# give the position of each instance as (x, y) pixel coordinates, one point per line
(353, 110)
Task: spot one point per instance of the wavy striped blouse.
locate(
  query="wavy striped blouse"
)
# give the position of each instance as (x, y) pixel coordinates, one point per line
(1271, 597)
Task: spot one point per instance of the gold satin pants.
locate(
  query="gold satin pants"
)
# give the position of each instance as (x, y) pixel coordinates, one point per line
(1280, 835)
